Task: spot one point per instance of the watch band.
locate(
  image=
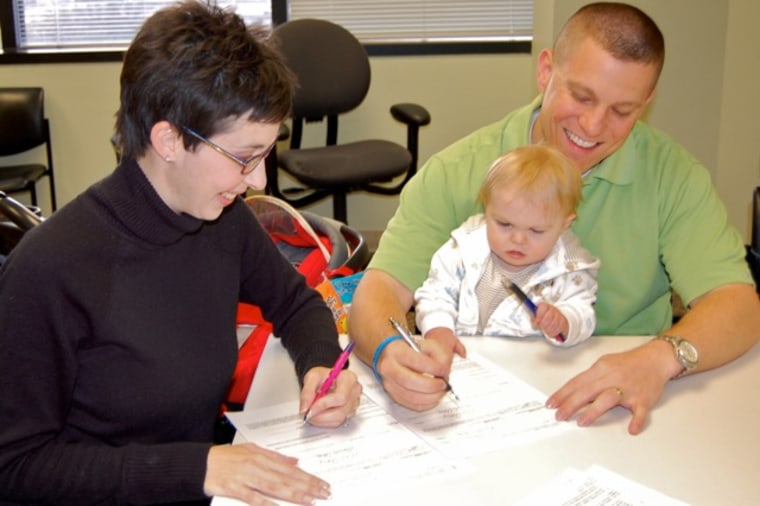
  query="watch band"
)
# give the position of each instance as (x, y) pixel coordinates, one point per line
(684, 351)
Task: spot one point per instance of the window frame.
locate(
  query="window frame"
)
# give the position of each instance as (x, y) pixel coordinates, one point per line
(12, 55)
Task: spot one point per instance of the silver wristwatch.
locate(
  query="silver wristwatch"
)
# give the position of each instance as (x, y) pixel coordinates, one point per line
(686, 354)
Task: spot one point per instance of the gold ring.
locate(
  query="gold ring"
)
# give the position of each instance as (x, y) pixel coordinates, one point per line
(619, 391)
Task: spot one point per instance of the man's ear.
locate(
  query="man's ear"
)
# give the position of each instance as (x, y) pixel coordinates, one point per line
(165, 140)
(650, 98)
(544, 69)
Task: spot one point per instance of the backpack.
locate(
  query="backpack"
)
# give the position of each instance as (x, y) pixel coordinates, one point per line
(322, 249)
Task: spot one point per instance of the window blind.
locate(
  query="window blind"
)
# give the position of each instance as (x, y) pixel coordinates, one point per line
(43, 24)
(111, 24)
(419, 21)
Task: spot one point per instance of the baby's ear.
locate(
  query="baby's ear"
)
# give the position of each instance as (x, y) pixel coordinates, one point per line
(569, 220)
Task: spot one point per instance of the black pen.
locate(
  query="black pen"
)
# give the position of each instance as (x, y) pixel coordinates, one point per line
(528, 303)
(413, 344)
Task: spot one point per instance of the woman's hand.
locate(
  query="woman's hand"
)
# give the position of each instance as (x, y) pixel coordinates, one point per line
(251, 473)
(340, 402)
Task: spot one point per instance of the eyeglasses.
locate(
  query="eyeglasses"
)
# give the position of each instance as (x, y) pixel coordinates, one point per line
(247, 166)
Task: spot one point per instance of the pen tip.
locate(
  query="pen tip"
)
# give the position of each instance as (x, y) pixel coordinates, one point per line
(451, 391)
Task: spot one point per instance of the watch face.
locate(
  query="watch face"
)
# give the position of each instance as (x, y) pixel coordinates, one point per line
(688, 352)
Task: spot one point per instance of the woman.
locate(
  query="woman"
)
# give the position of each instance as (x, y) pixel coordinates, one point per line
(117, 314)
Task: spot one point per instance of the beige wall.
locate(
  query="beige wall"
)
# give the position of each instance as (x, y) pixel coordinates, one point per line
(738, 159)
(706, 100)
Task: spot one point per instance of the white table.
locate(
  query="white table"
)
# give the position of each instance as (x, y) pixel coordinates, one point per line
(701, 445)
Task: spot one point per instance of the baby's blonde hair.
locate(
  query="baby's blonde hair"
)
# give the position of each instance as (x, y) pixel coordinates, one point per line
(539, 172)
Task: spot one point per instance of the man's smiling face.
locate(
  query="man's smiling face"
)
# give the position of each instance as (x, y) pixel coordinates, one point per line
(591, 101)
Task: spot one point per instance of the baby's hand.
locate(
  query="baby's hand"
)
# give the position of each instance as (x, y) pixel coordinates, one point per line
(550, 320)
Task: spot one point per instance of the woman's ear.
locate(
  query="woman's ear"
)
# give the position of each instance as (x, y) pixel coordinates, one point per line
(165, 140)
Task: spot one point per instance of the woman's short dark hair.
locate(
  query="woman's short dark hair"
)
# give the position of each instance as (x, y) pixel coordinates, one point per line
(197, 65)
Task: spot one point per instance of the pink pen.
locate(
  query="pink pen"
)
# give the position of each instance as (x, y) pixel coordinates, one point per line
(331, 377)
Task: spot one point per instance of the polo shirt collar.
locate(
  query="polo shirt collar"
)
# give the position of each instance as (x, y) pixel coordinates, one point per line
(620, 167)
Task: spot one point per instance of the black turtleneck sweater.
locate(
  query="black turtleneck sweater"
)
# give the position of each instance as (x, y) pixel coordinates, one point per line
(117, 343)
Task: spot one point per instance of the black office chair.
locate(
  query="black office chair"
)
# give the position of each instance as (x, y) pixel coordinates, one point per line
(333, 71)
(23, 126)
(753, 248)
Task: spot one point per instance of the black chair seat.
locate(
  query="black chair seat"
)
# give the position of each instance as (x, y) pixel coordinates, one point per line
(16, 176)
(349, 164)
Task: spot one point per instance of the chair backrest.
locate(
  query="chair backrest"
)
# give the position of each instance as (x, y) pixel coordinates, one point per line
(755, 219)
(753, 248)
(22, 120)
(331, 65)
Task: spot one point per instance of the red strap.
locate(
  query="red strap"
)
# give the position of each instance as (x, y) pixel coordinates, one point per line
(312, 267)
(249, 355)
(248, 314)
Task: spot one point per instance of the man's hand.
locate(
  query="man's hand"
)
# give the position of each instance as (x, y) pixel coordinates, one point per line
(634, 379)
(415, 380)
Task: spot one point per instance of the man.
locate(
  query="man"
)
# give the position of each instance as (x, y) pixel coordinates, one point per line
(649, 212)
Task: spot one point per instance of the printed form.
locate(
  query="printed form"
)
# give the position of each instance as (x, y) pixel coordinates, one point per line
(596, 486)
(360, 460)
(495, 410)
(385, 443)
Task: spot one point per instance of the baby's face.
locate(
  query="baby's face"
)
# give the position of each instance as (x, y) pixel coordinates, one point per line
(519, 231)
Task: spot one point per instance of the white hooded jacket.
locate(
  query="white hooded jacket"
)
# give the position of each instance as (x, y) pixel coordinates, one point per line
(566, 279)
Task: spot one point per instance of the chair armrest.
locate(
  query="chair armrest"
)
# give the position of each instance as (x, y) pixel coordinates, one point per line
(410, 114)
(18, 213)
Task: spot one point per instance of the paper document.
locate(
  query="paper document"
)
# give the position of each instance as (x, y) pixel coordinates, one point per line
(360, 459)
(596, 486)
(495, 410)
